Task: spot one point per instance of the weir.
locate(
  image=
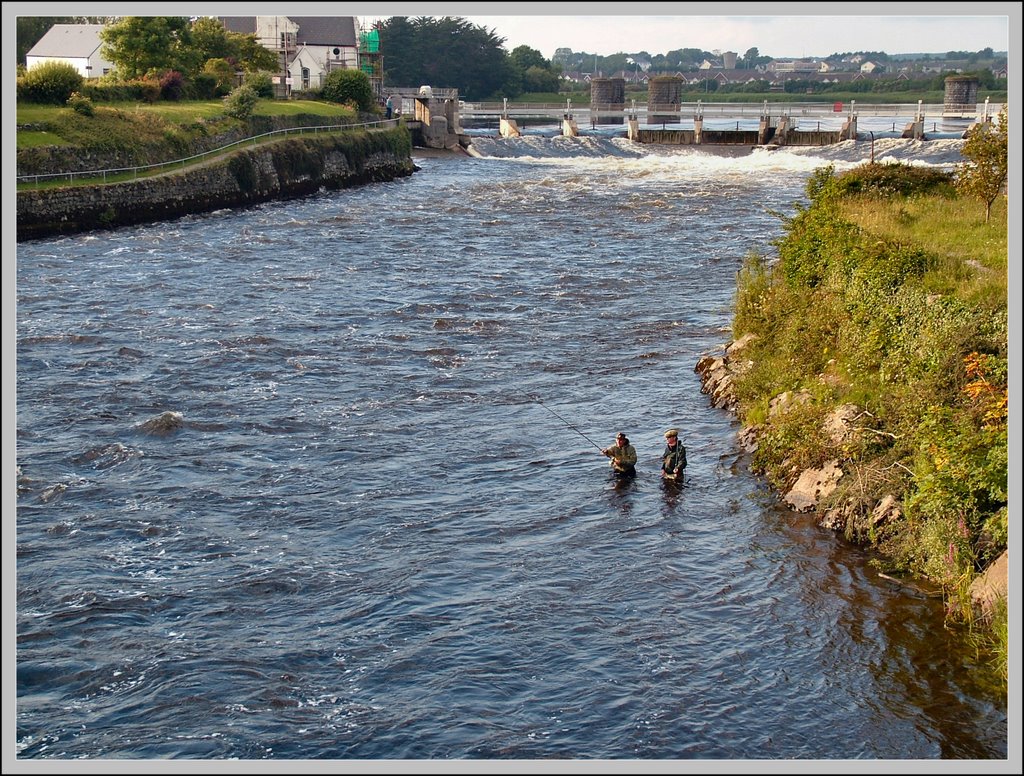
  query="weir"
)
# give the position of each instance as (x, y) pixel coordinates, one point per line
(435, 122)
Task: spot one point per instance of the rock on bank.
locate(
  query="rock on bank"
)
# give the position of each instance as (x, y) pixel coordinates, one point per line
(282, 170)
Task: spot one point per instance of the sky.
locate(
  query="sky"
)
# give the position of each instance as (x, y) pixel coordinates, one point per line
(775, 36)
(609, 28)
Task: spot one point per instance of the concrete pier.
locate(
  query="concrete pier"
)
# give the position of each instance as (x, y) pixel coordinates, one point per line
(509, 128)
(849, 130)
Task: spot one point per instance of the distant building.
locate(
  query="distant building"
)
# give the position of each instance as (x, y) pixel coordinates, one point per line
(76, 44)
(309, 47)
(794, 66)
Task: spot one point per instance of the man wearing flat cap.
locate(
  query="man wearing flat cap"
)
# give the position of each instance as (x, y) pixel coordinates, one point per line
(623, 456)
(673, 460)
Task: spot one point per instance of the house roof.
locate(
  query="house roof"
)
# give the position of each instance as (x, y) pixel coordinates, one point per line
(313, 30)
(246, 25)
(68, 41)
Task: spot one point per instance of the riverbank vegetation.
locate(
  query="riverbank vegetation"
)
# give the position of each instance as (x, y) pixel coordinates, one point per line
(888, 296)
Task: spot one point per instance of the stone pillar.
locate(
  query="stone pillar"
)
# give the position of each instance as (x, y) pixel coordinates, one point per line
(914, 130)
(508, 128)
(961, 95)
(849, 130)
(781, 131)
(663, 99)
(607, 94)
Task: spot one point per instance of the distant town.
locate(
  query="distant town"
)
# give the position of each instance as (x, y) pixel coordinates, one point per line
(696, 66)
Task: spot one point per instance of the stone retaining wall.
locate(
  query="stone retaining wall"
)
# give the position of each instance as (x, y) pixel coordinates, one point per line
(282, 170)
(44, 160)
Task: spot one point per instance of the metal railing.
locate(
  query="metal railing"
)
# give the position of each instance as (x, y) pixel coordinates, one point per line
(171, 166)
(470, 110)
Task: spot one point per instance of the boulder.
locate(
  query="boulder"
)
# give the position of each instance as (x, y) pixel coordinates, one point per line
(991, 586)
(839, 424)
(812, 486)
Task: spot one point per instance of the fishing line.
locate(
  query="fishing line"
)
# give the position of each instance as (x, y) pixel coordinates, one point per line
(566, 422)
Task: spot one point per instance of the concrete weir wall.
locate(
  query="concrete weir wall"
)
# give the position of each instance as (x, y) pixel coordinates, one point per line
(282, 170)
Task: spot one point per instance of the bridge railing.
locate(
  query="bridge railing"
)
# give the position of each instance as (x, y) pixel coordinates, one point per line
(150, 169)
(732, 109)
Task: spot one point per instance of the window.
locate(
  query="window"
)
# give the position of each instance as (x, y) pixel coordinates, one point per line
(305, 78)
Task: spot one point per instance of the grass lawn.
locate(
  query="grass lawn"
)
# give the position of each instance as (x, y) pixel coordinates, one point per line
(187, 112)
(34, 138)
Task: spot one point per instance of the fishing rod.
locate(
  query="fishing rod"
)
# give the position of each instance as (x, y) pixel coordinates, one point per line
(566, 422)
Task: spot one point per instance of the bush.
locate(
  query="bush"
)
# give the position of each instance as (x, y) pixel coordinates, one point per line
(202, 86)
(894, 179)
(149, 90)
(348, 86)
(262, 84)
(50, 82)
(241, 102)
(172, 85)
(80, 104)
(120, 91)
(223, 72)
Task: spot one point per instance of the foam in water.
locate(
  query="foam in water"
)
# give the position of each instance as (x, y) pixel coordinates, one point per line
(710, 160)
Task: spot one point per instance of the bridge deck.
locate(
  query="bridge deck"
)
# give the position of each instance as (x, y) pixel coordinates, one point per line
(737, 110)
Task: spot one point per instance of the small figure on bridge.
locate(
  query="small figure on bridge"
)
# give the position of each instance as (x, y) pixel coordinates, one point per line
(389, 106)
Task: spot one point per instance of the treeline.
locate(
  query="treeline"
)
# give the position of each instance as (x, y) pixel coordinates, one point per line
(882, 84)
(453, 53)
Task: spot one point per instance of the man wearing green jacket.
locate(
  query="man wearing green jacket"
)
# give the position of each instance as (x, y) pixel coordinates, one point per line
(673, 459)
(623, 456)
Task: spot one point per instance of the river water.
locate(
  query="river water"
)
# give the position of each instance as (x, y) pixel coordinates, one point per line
(377, 525)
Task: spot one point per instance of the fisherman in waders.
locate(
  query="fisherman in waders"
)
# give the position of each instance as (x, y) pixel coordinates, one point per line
(623, 456)
(673, 460)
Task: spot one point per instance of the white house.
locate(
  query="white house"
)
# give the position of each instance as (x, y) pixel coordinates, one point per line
(76, 44)
(309, 46)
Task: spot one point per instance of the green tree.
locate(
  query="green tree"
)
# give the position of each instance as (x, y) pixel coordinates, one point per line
(213, 41)
(142, 45)
(348, 86)
(252, 56)
(446, 52)
(984, 174)
(525, 57)
(223, 71)
(540, 79)
(535, 74)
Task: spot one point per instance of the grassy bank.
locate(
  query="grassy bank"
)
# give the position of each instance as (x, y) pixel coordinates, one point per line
(889, 296)
(159, 131)
(123, 135)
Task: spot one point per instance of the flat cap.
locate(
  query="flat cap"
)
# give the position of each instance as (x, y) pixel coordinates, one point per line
(671, 433)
